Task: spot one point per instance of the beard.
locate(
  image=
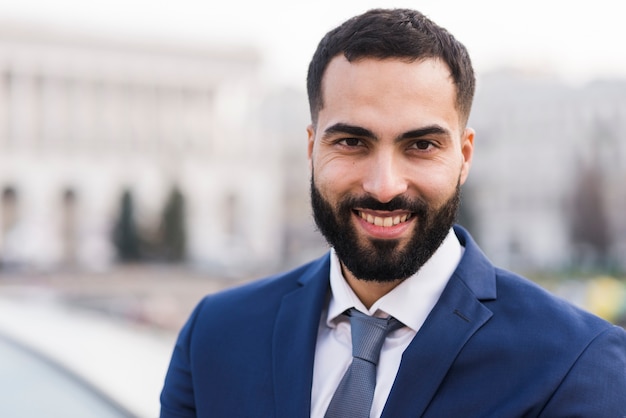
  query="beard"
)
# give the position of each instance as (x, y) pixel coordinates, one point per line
(383, 260)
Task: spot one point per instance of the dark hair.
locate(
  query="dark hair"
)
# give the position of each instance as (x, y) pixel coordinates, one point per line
(392, 33)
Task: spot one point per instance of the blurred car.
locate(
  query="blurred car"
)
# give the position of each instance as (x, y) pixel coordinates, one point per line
(57, 361)
(35, 386)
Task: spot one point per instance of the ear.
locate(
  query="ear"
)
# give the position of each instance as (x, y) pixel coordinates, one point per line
(310, 130)
(467, 151)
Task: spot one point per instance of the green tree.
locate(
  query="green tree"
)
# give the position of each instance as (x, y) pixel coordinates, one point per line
(173, 233)
(125, 236)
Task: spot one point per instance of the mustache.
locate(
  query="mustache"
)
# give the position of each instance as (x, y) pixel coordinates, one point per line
(414, 205)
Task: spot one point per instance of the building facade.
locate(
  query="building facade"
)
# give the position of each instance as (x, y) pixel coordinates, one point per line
(547, 186)
(84, 120)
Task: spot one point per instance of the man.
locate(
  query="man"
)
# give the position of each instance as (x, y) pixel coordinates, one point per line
(390, 94)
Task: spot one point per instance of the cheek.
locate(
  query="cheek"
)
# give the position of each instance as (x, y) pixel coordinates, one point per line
(330, 186)
(436, 184)
(335, 172)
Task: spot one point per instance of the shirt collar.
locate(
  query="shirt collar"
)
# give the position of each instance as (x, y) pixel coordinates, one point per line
(412, 300)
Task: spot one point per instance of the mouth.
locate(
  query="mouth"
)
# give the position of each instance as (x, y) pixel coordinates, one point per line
(384, 221)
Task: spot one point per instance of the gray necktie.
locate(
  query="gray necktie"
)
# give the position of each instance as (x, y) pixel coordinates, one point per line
(354, 395)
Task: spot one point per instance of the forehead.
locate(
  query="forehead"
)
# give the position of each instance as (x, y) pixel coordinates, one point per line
(393, 89)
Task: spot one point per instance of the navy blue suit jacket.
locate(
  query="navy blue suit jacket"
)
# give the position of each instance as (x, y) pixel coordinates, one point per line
(495, 345)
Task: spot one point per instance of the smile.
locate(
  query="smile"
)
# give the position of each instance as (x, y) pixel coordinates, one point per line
(384, 221)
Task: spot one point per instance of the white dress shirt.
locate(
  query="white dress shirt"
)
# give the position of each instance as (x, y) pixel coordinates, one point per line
(410, 302)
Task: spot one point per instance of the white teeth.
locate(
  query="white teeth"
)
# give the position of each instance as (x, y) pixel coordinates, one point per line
(386, 221)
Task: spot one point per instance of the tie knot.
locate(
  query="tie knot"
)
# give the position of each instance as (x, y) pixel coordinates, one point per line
(369, 333)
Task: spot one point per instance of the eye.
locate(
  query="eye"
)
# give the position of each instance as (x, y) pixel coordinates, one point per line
(350, 142)
(422, 145)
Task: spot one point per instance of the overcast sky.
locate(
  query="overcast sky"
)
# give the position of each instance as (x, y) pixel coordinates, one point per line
(578, 39)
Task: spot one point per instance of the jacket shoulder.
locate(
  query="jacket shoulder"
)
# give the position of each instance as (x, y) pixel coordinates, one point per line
(528, 308)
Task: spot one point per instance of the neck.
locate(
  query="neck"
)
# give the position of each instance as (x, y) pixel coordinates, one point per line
(368, 291)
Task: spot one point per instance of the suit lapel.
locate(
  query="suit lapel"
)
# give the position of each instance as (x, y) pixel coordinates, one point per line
(458, 314)
(455, 318)
(295, 336)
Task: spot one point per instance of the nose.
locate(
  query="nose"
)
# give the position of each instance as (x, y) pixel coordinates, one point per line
(384, 178)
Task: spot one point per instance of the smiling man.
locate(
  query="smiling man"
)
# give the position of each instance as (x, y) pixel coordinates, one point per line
(389, 151)
(405, 316)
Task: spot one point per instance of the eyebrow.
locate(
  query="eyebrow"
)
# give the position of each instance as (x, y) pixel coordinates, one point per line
(425, 131)
(358, 131)
(344, 128)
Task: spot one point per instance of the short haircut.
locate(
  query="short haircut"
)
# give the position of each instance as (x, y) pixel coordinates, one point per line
(392, 33)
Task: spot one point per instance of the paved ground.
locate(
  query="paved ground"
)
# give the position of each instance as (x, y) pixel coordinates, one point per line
(159, 296)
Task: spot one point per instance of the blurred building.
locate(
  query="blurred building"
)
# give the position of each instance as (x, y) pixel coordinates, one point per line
(547, 189)
(85, 120)
(94, 132)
